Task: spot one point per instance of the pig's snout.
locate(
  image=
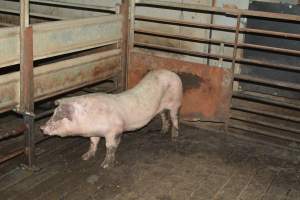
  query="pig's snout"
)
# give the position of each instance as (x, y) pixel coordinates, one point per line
(43, 129)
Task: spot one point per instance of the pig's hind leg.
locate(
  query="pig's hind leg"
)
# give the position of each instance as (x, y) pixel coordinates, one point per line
(112, 143)
(175, 123)
(165, 121)
(92, 150)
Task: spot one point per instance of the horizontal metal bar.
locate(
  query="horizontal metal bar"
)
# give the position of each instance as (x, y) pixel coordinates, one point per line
(32, 14)
(184, 23)
(264, 123)
(263, 132)
(268, 64)
(179, 50)
(12, 155)
(212, 41)
(61, 77)
(14, 132)
(270, 33)
(275, 83)
(44, 114)
(75, 5)
(217, 27)
(181, 37)
(268, 48)
(224, 11)
(6, 24)
(261, 99)
(267, 113)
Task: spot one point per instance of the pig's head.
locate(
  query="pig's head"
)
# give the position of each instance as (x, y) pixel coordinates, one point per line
(61, 122)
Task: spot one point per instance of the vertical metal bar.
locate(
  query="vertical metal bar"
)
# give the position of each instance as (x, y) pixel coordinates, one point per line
(26, 80)
(124, 10)
(234, 58)
(131, 34)
(236, 41)
(213, 4)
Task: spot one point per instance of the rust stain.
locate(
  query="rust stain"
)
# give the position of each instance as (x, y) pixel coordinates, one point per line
(190, 81)
(206, 88)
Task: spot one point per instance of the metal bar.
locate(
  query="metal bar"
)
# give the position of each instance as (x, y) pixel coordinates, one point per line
(217, 27)
(224, 11)
(32, 14)
(15, 132)
(105, 9)
(267, 113)
(184, 23)
(234, 57)
(267, 124)
(252, 97)
(43, 114)
(14, 154)
(247, 78)
(178, 50)
(213, 4)
(268, 64)
(259, 131)
(131, 35)
(271, 33)
(6, 24)
(236, 41)
(26, 81)
(267, 48)
(181, 37)
(125, 38)
(29, 140)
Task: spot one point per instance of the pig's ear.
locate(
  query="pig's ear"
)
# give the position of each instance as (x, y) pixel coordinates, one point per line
(64, 111)
(67, 111)
(58, 102)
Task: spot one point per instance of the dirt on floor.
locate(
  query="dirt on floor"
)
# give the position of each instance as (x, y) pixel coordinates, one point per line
(200, 165)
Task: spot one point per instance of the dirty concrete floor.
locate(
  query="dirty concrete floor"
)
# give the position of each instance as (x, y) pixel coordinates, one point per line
(200, 165)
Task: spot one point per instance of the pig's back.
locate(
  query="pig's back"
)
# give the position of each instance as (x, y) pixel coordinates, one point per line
(144, 101)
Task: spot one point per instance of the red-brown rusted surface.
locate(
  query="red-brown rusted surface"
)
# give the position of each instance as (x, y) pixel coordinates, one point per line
(206, 89)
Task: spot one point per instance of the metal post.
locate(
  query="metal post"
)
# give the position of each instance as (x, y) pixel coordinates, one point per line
(124, 11)
(234, 58)
(26, 81)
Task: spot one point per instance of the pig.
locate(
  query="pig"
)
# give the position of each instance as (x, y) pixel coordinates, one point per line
(100, 115)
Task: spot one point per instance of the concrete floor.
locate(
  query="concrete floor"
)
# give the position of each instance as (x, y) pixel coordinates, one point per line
(201, 165)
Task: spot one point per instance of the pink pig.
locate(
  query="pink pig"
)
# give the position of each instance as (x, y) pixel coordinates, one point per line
(109, 115)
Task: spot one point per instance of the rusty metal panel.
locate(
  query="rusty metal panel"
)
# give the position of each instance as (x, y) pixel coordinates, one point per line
(61, 77)
(61, 37)
(206, 89)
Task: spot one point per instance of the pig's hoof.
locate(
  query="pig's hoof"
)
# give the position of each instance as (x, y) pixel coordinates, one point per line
(87, 156)
(164, 131)
(107, 164)
(175, 134)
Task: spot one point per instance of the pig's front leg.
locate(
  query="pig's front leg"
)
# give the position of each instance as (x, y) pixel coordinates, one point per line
(92, 150)
(112, 143)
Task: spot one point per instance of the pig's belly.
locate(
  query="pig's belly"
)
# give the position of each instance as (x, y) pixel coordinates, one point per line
(140, 115)
(137, 123)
